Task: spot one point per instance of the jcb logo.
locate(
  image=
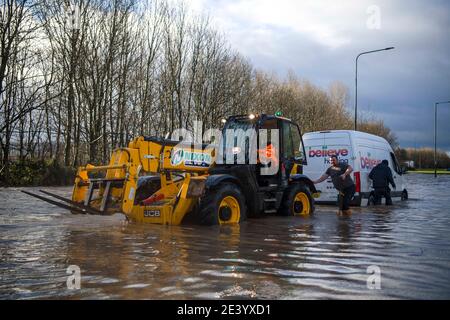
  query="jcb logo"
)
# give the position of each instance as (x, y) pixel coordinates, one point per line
(152, 213)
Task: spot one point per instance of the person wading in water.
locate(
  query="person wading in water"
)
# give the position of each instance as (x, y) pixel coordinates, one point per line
(340, 175)
(381, 176)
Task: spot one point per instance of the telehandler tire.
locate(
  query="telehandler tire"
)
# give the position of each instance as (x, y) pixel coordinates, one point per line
(224, 204)
(297, 201)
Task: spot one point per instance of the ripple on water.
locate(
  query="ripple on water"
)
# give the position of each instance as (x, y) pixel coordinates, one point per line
(320, 257)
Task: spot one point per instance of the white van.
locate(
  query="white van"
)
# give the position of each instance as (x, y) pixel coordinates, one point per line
(361, 150)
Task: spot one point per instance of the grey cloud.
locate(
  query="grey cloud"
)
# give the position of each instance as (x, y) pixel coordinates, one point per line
(398, 86)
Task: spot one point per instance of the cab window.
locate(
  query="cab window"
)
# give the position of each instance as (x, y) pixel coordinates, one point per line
(297, 142)
(292, 142)
(269, 125)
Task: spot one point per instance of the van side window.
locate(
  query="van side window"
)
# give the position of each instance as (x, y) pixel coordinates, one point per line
(395, 163)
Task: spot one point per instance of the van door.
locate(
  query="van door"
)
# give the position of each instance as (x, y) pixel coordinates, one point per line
(397, 175)
(370, 155)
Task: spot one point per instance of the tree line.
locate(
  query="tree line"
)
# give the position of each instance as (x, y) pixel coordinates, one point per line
(79, 78)
(423, 158)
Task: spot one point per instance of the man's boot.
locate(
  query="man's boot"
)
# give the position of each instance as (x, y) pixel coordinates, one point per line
(347, 212)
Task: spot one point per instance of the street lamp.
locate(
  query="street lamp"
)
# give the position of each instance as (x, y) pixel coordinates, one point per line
(356, 82)
(435, 135)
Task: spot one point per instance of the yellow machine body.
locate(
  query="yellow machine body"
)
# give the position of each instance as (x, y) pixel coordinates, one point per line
(161, 181)
(168, 182)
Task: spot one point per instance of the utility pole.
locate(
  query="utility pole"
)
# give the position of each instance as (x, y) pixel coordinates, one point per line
(435, 135)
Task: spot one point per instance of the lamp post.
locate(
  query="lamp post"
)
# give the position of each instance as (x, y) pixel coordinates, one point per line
(435, 135)
(356, 81)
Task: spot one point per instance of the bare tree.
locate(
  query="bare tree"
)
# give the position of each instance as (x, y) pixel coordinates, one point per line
(80, 77)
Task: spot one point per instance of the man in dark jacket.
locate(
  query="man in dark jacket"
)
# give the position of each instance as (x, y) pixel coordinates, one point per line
(340, 175)
(381, 176)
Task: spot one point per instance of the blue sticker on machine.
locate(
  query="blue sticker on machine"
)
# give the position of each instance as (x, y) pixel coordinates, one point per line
(190, 158)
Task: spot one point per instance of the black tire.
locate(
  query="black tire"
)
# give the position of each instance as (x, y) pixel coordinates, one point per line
(404, 195)
(210, 213)
(288, 207)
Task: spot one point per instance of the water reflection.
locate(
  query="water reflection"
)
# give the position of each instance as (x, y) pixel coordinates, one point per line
(323, 256)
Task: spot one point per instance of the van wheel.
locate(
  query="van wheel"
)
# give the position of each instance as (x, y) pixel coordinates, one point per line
(297, 201)
(404, 195)
(224, 204)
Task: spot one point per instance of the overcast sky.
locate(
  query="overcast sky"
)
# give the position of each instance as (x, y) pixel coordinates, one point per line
(319, 41)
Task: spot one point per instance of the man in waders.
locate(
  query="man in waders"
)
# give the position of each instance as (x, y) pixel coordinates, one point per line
(340, 175)
(381, 176)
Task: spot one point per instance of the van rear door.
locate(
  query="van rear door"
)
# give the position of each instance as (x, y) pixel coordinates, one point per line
(319, 147)
(371, 153)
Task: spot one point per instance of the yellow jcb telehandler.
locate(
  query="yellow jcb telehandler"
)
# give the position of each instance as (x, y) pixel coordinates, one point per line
(162, 181)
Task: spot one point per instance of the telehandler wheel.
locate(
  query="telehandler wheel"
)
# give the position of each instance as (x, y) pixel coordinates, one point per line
(297, 201)
(224, 204)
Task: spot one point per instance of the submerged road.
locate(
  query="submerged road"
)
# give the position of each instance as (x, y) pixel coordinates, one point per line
(403, 250)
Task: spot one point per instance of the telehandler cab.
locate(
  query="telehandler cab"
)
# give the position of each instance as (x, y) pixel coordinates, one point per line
(162, 181)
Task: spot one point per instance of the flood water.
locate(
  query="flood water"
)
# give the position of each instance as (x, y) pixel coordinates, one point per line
(321, 257)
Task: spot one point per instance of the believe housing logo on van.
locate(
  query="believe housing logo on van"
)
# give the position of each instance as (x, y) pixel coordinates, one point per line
(328, 153)
(369, 163)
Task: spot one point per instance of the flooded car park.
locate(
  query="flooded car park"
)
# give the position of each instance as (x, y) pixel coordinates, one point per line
(406, 247)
